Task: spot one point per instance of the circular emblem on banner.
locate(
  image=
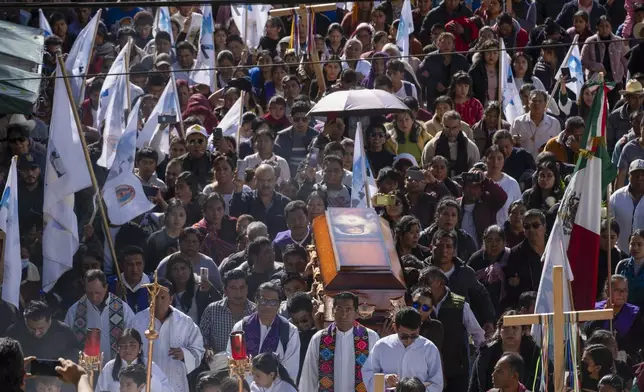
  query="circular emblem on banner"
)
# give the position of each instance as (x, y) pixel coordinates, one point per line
(124, 194)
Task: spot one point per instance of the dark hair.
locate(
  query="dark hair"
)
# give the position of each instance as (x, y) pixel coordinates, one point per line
(270, 286)
(408, 317)
(332, 147)
(527, 299)
(93, 275)
(535, 213)
(602, 356)
(614, 226)
(348, 296)
(515, 362)
(410, 384)
(230, 384)
(300, 107)
(37, 310)
(174, 204)
(186, 231)
(234, 275)
(494, 229)
(292, 276)
(135, 372)
(295, 250)
(383, 80)
(55, 17)
(293, 206)
(603, 18)
(208, 380)
(168, 285)
(118, 362)
(190, 180)
(331, 158)
(430, 274)
(445, 203)
(213, 197)
(130, 250)
(185, 45)
(534, 201)
(574, 122)
(527, 77)
(601, 337)
(188, 295)
(405, 225)
(396, 65)
(440, 234)
(582, 14)
(422, 291)
(12, 367)
(612, 380)
(299, 302)
(255, 246)
(270, 363)
(460, 77)
(162, 35)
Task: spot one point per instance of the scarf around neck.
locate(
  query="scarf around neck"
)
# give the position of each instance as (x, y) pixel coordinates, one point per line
(116, 320)
(327, 356)
(252, 329)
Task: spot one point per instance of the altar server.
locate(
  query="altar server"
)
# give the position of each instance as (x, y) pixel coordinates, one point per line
(405, 354)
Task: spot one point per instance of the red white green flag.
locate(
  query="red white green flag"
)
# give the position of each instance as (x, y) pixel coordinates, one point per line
(575, 235)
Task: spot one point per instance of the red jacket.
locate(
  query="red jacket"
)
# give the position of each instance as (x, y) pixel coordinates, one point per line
(86, 113)
(470, 34)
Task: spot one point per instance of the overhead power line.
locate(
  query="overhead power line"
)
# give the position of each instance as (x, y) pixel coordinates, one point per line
(144, 3)
(238, 67)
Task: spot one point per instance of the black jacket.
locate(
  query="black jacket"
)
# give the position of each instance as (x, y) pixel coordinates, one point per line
(479, 80)
(565, 17)
(432, 71)
(525, 263)
(284, 145)
(251, 203)
(464, 283)
(439, 15)
(465, 247)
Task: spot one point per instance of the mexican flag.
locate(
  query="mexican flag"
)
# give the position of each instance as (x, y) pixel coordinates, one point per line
(574, 240)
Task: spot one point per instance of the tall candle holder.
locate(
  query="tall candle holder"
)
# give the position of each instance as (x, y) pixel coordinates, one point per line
(239, 361)
(151, 335)
(91, 358)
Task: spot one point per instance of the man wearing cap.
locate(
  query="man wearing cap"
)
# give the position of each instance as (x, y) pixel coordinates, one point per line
(626, 204)
(618, 123)
(632, 151)
(30, 186)
(197, 160)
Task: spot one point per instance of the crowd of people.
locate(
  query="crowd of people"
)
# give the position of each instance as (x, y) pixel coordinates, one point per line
(473, 198)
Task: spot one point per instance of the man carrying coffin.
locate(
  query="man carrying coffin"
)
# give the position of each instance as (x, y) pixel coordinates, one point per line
(336, 354)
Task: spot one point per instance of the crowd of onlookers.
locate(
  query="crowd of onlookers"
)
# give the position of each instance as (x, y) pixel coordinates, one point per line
(473, 196)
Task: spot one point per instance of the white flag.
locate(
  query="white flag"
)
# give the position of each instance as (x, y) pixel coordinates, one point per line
(230, 123)
(362, 176)
(9, 224)
(257, 18)
(44, 24)
(112, 106)
(573, 62)
(510, 98)
(204, 70)
(65, 174)
(162, 23)
(405, 27)
(123, 192)
(168, 104)
(80, 56)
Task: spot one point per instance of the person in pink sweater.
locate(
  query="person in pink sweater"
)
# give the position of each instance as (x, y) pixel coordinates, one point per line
(630, 21)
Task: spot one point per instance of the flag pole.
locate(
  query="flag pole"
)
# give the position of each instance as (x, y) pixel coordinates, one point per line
(564, 62)
(91, 51)
(90, 168)
(241, 116)
(126, 60)
(499, 78)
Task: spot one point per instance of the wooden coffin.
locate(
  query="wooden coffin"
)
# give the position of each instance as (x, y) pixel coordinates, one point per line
(356, 253)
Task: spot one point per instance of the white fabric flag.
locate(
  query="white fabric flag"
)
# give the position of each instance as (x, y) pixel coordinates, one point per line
(168, 104)
(65, 173)
(362, 176)
(162, 23)
(257, 18)
(230, 123)
(9, 224)
(511, 100)
(204, 70)
(573, 62)
(79, 58)
(123, 192)
(405, 27)
(112, 106)
(44, 24)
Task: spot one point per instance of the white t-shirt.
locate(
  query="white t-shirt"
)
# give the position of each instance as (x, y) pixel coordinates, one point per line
(402, 93)
(467, 222)
(513, 190)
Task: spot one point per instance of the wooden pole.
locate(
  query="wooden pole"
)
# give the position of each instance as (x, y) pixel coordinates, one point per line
(242, 95)
(558, 321)
(90, 168)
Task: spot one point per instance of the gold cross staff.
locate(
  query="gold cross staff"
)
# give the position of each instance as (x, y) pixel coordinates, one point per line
(558, 323)
(153, 290)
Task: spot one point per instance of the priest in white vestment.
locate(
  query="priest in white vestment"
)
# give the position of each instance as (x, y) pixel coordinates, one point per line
(100, 309)
(179, 348)
(405, 354)
(326, 368)
(266, 331)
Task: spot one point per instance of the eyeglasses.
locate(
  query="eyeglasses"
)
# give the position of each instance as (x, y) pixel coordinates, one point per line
(419, 306)
(268, 302)
(197, 141)
(300, 119)
(404, 336)
(534, 226)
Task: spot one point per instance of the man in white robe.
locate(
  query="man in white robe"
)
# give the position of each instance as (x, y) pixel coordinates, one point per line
(179, 348)
(266, 331)
(341, 334)
(405, 354)
(100, 309)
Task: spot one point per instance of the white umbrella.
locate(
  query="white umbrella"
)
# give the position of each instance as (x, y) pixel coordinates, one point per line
(360, 102)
